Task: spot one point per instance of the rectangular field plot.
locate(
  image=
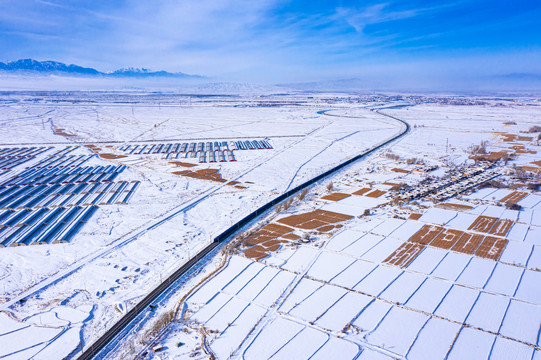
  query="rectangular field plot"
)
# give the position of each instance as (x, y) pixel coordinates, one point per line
(407, 230)
(328, 265)
(522, 322)
(477, 273)
(354, 274)
(363, 245)
(382, 250)
(437, 216)
(533, 236)
(226, 315)
(271, 338)
(483, 224)
(236, 332)
(236, 265)
(274, 288)
(243, 279)
(535, 259)
(387, 227)
(429, 295)
(303, 345)
(398, 330)
(471, 344)
(405, 254)
(300, 260)
(333, 346)
(505, 349)
(434, 340)
(343, 311)
(457, 303)
(516, 253)
(531, 201)
(342, 240)
(451, 266)
(212, 307)
(505, 279)
(462, 221)
(488, 312)
(403, 288)
(528, 290)
(378, 280)
(301, 292)
(258, 283)
(427, 261)
(371, 316)
(518, 232)
(317, 303)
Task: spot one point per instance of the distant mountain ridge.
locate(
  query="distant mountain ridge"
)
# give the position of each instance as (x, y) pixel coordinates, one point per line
(31, 66)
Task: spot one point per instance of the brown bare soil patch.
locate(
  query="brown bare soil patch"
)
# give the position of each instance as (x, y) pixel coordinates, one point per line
(405, 254)
(109, 156)
(325, 228)
(362, 191)
(183, 172)
(496, 250)
(517, 147)
(314, 219)
(375, 193)
(231, 183)
(488, 247)
(404, 171)
(533, 152)
(514, 197)
(335, 196)
(273, 243)
(524, 138)
(203, 174)
(257, 239)
(452, 206)
(61, 132)
(509, 137)
(415, 216)
(493, 156)
(538, 162)
(467, 243)
(312, 224)
(447, 239)
(291, 237)
(256, 252)
(240, 187)
(277, 229)
(426, 234)
(390, 183)
(501, 227)
(180, 163)
(483, 223)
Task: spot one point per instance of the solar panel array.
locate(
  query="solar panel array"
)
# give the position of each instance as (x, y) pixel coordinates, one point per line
(51, 201)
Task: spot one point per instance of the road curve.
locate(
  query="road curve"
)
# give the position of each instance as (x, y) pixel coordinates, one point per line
(98, 350)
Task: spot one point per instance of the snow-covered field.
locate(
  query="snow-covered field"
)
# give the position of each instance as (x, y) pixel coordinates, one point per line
(338, 294)
(335, 288)
(124, 250)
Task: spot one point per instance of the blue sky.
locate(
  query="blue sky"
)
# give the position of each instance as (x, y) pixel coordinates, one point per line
(280, 40)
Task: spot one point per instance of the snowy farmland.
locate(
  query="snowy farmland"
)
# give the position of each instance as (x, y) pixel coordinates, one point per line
(345, 275)
(347, 268)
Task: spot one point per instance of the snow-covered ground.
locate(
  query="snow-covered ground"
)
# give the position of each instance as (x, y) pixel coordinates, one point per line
(338, 294)
(58, 298)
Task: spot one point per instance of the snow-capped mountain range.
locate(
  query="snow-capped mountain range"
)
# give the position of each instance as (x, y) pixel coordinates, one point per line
(30, 66)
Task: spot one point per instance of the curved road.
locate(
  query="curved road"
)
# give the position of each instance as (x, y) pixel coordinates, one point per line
(100, 348)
